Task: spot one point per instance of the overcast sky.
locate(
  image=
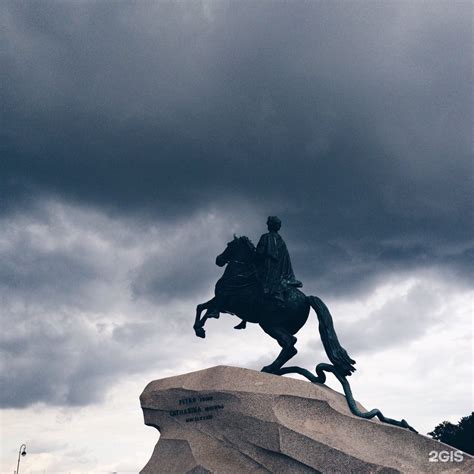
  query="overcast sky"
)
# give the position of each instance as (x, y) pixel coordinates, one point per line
(137, 137)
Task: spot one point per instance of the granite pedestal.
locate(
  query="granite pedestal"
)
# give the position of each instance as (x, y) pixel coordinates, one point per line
(231, 420)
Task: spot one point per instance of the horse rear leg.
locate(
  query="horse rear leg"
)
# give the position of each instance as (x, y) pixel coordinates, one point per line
(287, 342)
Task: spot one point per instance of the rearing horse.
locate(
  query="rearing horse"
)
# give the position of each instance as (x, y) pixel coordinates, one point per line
(240, 292)
(244, 298)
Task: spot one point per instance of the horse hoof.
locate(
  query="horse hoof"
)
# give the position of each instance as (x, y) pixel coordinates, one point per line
(200, 332)
(267, 369)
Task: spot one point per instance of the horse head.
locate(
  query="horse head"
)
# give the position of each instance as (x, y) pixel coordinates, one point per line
(239, 250)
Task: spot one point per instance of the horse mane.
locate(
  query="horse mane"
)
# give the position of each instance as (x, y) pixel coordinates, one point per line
(247, 242)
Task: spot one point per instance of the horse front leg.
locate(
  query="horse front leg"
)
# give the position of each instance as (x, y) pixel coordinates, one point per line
(198, 322)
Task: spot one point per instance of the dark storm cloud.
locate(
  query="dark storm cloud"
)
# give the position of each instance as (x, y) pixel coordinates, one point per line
(352, 121)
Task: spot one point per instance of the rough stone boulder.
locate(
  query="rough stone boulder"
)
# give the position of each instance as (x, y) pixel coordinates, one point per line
(232, 420)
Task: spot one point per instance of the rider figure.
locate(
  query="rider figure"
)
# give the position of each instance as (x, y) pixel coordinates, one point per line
(273, 265)
(273, 262)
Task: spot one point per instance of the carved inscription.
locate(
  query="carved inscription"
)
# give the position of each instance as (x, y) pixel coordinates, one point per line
(194, 406)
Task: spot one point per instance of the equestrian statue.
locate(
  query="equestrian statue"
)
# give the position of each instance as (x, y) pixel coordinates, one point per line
(259, 286)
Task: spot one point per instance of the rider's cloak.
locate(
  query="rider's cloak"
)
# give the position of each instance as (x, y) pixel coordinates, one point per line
(273, 263)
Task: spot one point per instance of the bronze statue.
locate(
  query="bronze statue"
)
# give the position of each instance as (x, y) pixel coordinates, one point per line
(272, 266)
(259, 286)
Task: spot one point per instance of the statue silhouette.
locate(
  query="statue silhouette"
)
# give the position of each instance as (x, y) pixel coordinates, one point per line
(259, 286)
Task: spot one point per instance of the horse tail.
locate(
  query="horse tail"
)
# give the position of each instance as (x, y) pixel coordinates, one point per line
(335, 352)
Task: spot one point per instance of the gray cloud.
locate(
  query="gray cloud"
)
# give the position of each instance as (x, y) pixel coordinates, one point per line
(87, 300)
(69, 326)
(351, 121)
(136, 138)
(401, 320)
(64, 359)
